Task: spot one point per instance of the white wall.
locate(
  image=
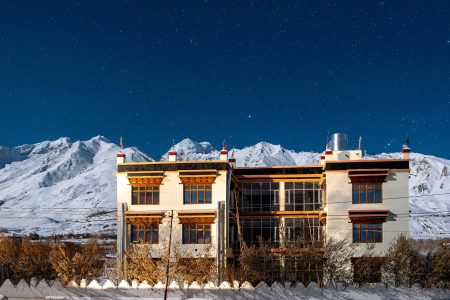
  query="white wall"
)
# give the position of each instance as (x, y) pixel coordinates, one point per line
(171, 198)
(339, 202)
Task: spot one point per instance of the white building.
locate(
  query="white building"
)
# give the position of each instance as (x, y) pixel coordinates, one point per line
(345, 196)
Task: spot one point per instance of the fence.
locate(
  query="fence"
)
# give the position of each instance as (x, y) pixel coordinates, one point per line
(123, 290)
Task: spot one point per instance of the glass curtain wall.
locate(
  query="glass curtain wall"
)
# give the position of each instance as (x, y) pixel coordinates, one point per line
(260, 196)
(302, 196)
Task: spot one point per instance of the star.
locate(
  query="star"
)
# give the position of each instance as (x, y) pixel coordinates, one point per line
(250, 116)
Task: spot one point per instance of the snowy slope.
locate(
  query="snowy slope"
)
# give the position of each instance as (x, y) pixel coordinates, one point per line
(60, 187)
(69, 187)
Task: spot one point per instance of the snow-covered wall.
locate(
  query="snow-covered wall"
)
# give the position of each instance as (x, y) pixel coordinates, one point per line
(226, 290)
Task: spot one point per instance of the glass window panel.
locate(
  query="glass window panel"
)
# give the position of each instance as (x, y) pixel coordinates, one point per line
(194, 197)
(363, 196)
(371, 235)
(185, 234)
(370, 196)
(378, 196)
(134, 236)
(208, 196)
(201, 196)
(363, 234)
(355, 196)
(298, 185)
(156, 197)
(308, 185)
(192, 236)
(135, 197)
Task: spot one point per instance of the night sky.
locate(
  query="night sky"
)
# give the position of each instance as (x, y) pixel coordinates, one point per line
(286, 72)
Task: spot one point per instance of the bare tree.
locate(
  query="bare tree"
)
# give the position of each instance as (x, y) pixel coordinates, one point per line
(139, 263)
(337, 260)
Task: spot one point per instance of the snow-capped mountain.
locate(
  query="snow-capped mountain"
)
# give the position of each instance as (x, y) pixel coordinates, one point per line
(69, 187)
(59, 187)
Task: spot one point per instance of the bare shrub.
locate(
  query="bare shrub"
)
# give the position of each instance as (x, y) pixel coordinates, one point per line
(74, 262)
(89, 262)
(9, 251)
(139, 263)
(33, 260)
(337, 260)
(184, 267)
(257, 263)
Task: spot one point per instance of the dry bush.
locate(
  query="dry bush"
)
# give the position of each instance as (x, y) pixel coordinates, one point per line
(33, 260)
(184, 267)
(195, 269)
(257, 263)
(303, 261)
(74, 262)
(337, 260)
(403, 264)
(139, 263)
(9, 251)
(89, 262)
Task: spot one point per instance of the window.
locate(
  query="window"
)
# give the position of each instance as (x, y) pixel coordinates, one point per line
(367, 193)
(254, 229)
(142, 195)
(368, 233)
(196, 234)
(148, 234)
(197, 194)
(260, 196)
(301, 196)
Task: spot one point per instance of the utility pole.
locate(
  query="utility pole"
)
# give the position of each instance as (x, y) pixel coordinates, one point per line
(168, 256)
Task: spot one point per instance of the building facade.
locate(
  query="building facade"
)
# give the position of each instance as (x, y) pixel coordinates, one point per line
(210, 207)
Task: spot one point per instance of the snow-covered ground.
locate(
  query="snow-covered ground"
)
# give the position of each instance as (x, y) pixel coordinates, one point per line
(65, 187)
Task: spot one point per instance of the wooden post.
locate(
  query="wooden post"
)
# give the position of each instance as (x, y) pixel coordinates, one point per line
(168, 257)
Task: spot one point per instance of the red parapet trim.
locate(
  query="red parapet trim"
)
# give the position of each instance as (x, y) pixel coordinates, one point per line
(406, 150)
(223, 152)
(172, 153)
(232, 160)
(322, 157)
(328, 152)
(120, 155)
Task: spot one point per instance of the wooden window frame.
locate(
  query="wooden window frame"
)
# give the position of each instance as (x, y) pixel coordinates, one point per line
(358, 229)
(152, 230)
(143, 192)
(197, 190)
(204, 229)
(361, 192)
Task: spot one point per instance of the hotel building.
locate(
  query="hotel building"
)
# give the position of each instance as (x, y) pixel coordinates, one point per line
(201, 203)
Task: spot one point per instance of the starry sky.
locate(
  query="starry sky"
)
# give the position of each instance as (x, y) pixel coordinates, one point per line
(286, 72)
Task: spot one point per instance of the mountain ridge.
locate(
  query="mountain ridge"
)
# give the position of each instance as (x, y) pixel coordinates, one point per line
(67, 186)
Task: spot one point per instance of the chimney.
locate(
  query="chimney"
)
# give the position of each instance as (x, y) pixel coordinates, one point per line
(406, 152)
(172, 154)
(224, 152)
(322, 158)
(120, 157)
